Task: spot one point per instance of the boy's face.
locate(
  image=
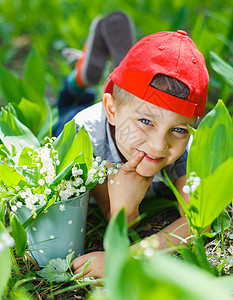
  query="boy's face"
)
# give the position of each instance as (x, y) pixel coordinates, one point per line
(141, 126)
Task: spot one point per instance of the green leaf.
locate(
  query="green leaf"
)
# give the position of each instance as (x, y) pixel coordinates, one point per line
(222, 222)
(46, 128)
(13, 132)
(222, 68)
(10, 176)
(25, 158)
(69, 259)
(56, 269)
(34, 72)
(212, 196)
(5, 263)
(31, 114)
(213, 142)
(2, 213)
(19, 235)
(73, 147)
(116, 234)
(65, 140)
(10, 87)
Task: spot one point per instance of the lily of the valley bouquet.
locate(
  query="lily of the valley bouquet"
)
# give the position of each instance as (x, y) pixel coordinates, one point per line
(32, 174)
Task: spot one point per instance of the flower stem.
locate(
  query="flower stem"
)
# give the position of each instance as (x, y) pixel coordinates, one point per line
(14, 263)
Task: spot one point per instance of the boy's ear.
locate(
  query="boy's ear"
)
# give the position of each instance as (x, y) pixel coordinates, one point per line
(110, 108)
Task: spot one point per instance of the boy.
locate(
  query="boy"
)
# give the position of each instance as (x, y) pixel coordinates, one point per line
(149, 102)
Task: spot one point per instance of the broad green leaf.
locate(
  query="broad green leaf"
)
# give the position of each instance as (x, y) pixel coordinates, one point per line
(34, 72)
(31, 114)
(20, 294)
(220, 224)
(5, 263)
(46, 128)
(56, 269)
(19, 235)
(181, 280)
(31, 175)
(10, 87)
(222, 68)
(10, 176)
(79, 159)
(212, 143)
(64, 141)
(116, 234)
(25, 158)
(212, 196)
(12, 131)
(62, 174)
(81, 143)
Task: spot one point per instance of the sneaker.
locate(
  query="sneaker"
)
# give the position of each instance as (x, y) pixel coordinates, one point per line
(90, 67)
(119, 35)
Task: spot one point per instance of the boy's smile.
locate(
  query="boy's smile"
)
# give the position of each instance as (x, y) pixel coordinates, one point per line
(161, 134)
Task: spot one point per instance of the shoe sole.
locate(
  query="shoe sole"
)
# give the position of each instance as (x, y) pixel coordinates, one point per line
(119, 35)
(95, 54)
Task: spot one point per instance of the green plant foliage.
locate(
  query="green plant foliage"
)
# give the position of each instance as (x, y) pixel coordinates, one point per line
(57, 269)
(34, 72)
(210, 198)
(154, 275)
(13, 132)
(69, 146)
(116, 234)
(10, 176)
(210, 157)
(212, 143)
(10, 87)
(19, 235)
(222, 223)
(222, 68)
(5, 263)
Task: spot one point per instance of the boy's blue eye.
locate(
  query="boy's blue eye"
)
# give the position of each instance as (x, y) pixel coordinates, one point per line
(180, 130)
(146, 121)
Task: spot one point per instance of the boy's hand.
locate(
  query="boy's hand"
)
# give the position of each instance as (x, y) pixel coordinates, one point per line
(96, 267)
(128, 189)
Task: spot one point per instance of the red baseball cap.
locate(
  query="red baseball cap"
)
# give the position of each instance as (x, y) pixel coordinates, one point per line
(170, 53)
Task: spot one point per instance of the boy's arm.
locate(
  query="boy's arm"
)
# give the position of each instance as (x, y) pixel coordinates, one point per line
(180, 227)
(128, 188)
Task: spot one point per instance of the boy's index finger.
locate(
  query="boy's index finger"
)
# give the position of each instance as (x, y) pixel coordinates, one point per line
(132, 164)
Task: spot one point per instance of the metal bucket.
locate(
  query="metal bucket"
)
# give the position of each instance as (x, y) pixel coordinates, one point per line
(57, 233)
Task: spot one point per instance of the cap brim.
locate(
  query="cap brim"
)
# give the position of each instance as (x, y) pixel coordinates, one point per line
(108, 86)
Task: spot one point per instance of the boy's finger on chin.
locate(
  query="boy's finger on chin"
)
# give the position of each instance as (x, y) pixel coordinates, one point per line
(132, 164)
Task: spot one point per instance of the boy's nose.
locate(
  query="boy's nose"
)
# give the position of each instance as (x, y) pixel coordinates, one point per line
(159, 143)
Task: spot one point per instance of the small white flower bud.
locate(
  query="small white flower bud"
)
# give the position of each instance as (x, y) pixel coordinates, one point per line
(47, 191)
(14, 208)
(95, 164)
(19, 204)
(98, 159)
(41, 182)
(186, 189)
(101, 181)
(83, 189)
